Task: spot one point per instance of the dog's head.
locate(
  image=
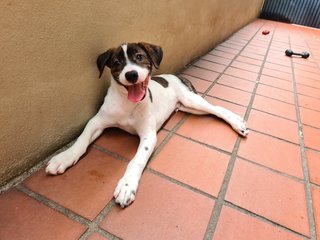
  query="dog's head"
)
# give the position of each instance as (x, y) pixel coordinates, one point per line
(131, 66)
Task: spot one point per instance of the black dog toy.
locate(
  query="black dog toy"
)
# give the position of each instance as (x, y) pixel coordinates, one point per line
(289, 53)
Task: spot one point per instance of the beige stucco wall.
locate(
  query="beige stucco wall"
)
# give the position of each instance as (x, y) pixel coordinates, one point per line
(48, 79)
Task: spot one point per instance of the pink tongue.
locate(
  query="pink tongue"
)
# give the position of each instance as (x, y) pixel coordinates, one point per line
(136, 92)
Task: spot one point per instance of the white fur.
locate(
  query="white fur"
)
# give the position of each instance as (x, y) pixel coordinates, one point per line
(144, 119)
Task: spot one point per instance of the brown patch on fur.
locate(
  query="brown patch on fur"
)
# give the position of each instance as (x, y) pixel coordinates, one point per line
(188, 84)
(117, 63)
(163, 82)
(154, 53)
(138, 56)
(114, 59)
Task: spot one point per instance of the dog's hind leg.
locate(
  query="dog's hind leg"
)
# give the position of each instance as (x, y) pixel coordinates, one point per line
(59, 163)
(195, 104)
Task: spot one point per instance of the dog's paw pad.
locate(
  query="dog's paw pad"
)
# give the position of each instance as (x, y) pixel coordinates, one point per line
(125, 191)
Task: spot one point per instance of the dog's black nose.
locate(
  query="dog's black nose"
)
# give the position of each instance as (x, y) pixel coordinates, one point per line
(132, 76)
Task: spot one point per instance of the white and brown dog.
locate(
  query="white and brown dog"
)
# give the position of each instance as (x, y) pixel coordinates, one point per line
(138, 104)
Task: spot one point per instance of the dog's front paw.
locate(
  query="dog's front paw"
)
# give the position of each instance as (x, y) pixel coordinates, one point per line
(239, 125)
(59, 163)
(125, 191)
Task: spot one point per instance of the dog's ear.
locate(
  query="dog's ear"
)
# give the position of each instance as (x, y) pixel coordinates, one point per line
(154, 53)
(104, 60)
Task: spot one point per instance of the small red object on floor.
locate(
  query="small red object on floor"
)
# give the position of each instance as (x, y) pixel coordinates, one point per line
(265, 32)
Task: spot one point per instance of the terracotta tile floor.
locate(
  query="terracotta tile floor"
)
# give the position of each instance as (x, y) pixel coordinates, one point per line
(203, 181)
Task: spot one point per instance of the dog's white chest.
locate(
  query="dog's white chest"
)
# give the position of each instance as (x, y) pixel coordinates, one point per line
(128, 123)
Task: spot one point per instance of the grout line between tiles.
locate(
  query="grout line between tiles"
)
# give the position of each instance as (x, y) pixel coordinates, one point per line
(96, 222)
(263, 219)
(182, 184)
(304, 158)
(223, 190)
(209, 70)
(107, 234)
(112, 154)
(204, 144)
(184, 73)
(243, 158)
(91, 225)
(212, 61)
(55, 206)
(315, 185)
(272, 170)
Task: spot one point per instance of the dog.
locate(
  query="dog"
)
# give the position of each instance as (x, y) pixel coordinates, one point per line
(139, 104)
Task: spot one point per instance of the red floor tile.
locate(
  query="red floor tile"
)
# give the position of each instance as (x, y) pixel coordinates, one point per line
(275, 107)
(308, 82)
(311, 137)
(273, 153)
(248, 60)
(91, 180)
(277, 74)
(125, 144)
(192, 164)
(236, 72)
(279, 61)
(303, 68)
(161, 135)
(162, 211)
(237, 225)
(217, 59)
(246, 66)
(236, 83)
(174, 120)
(22, 217)
(310, 117)
(256, 50)
(209, 65)
(276, 82)
(309, 102)
(230, 94)
(276, 93)
(252, 55)
(313, 159)
(270, 195)
(227, 50)
(200, 85)
(222, 54)
(221, 134)
(118, 141)
(306, 74)
(308, 91)
(278, 67)
(236, 43)
(316, 207)
(231, 45)
(201, 73)
(273, 125)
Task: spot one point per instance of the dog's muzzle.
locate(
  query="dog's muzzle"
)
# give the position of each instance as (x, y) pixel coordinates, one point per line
(137, 91)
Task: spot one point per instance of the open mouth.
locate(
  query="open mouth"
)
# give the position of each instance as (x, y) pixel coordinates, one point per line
(137, 92)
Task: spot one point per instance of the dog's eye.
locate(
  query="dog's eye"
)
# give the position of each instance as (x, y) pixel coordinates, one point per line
(140, 57)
